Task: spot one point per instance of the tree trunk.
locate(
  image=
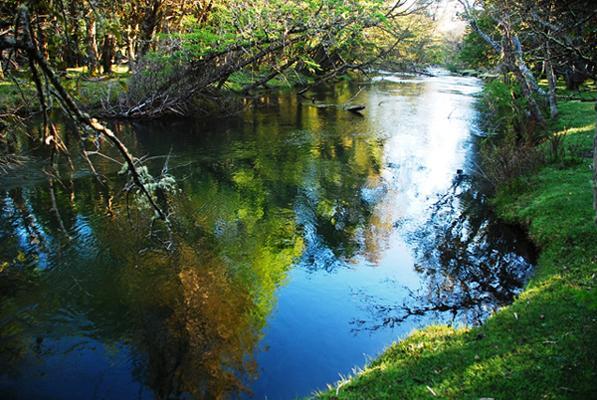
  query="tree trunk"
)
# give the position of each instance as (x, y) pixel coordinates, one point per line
(76, 37)
(536, 115)
(130, 46)
(595, 169)
(151, 21)
(107, 53)
(512, 56)
(522, 65)
(92, 58)
(551, 79)
(67, 46)
(42, 43)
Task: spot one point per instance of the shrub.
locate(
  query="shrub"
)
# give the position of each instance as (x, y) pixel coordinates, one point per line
(502, 110)
(504, 162)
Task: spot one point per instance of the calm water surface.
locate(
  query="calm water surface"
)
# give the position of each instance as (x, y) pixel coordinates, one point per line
(305, 239)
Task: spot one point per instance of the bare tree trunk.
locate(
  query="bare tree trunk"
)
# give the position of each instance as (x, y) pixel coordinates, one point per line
(67, 58)
(42, 43)
(522, 65)
(130, 45)
(512, 56)
(71, 33)
(536, 115)
(92, 58)
(511, 51)
(551, 79)
(76, 37)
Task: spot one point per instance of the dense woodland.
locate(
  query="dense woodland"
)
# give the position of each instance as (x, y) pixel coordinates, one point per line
(177, 50)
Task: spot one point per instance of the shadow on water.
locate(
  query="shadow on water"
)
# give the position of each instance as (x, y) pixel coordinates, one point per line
(295, 227)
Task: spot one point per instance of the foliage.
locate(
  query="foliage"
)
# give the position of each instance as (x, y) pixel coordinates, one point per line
(179, 52)
(473, 51)
(509, 151)
(502, 109)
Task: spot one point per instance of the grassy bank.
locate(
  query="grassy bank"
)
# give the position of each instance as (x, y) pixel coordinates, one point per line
(543, 345)
(20, 96)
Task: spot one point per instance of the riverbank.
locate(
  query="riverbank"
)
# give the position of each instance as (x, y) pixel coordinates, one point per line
(93, 93)
(542, 345)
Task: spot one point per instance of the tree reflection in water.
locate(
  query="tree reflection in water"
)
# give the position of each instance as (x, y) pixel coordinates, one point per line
(190, 321)
(470, 263)
(188, 303)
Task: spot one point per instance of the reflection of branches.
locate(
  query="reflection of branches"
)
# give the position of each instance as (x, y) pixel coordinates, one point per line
(35, 236)
(470, 263)
(56, 209)
(393, 316)
(9, 162)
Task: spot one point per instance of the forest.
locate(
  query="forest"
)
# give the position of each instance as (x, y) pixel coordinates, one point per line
(219, 199)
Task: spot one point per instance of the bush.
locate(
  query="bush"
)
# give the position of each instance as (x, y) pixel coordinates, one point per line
(509, 151)
(502, 110)
(153, 74)
(505, 114)
(504, 162)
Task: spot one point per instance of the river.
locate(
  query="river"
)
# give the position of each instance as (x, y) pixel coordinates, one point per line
(305, 240)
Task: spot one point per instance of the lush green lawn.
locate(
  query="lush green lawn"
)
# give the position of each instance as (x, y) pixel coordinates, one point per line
(544, 345)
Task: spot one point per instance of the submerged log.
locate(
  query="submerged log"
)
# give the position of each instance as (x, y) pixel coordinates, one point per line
(355, 108)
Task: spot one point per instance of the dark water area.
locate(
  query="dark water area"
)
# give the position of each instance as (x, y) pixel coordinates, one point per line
(304, 240)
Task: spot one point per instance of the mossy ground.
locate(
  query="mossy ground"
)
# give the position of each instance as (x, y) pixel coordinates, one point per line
(544, 345)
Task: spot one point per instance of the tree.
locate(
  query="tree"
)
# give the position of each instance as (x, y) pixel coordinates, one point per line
(510, 51)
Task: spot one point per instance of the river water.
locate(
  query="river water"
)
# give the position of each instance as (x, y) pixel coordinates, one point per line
(305, 239)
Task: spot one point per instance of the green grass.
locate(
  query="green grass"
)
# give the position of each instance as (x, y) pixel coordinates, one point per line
(15, 96)
(544, 345)
(21, 96)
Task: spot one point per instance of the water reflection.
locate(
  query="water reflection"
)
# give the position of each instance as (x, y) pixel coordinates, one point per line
(284, 213)
(470, 264)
